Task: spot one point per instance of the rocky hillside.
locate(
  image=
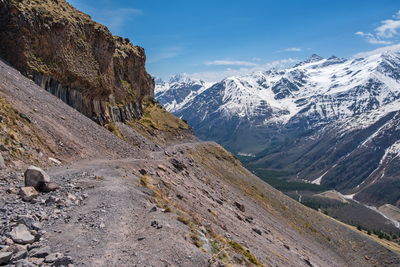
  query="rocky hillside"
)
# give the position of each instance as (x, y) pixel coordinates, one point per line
(183, 204)
(330, 121)
(144, 192)
(80, 61)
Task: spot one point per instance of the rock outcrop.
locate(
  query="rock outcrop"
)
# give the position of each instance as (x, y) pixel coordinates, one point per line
(78, 60)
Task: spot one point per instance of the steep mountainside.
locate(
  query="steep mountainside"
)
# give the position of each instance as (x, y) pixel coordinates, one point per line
(76, 59)
(145, 192)
(329, 121)
(187, 204)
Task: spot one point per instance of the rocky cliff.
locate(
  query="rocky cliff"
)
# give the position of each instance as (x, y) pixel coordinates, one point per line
(78, 60)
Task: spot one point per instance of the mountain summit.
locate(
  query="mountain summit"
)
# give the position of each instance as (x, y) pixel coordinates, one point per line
(328, 121)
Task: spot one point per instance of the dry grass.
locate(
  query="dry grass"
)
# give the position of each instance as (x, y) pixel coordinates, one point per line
(156, 117)
(386, 243)
(112, 127)
(158, 125)
(17, 133)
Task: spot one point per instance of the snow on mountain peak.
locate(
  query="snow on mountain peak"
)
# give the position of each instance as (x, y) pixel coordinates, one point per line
(314, 58)
(325, 89)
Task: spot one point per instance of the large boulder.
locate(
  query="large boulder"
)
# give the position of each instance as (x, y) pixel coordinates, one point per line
(36, 178)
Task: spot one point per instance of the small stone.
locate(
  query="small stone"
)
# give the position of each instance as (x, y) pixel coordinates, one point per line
(71, 197)
(162, 167)
(53, 257)
(19, 255)
(153, 209)
(142, 171)
(63, 261)
(239, 206)
(40, 252)
(52, 200)
(5, 257)
(156, 225)
(179, 166)
(258, 231)
(49, 187)
(28, 193)
(56, 161)
(36, 178)
(8, 241)
(21, 235)
(12, 190)
(37, 261)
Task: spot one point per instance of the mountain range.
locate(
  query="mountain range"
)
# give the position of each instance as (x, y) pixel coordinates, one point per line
(332, 122)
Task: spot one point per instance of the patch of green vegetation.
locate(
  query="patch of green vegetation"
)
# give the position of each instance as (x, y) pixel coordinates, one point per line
(239, 248)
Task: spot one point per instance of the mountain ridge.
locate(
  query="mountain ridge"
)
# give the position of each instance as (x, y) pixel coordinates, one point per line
(272, 114)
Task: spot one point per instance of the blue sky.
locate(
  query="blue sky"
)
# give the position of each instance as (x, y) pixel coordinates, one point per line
(214, 39)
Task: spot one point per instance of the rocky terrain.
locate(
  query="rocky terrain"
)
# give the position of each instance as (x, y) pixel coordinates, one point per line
(182, 204)
(144, 192)
(333, 122)
(64, 51)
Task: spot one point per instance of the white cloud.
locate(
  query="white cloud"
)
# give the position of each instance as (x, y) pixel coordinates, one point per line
(380, 50)
(229, 63)
(386, 33)
(293, 49)
(388, 29)
(215, 76)
(372, 39)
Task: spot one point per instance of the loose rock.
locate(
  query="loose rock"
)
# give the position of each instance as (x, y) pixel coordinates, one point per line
(49, 187)
(40, 252)
(258, 231)
(5, 257)
(36, 178)
(53, 257)
(28, 193)
(239, 206)
(21, 235)
(19, 255)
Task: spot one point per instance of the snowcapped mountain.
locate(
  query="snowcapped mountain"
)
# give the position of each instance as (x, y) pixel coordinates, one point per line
(330, 121)
(178, 91)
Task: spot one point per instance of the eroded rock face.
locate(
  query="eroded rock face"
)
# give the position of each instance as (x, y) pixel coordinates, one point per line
(76, 59)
